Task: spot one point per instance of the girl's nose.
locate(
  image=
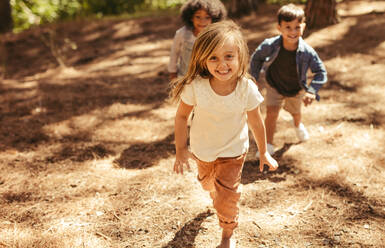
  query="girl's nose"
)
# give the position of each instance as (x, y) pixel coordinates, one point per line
(222, 64)
(204, 21)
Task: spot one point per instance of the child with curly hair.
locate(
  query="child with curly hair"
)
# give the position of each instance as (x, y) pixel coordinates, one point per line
(196, 15)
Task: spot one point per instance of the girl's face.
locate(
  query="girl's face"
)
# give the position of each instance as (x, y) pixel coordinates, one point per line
(200, 20)
(223, 63)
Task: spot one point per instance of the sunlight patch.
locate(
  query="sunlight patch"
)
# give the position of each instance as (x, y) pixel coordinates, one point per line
(69, 72)
(109, 63)
(332, 168)
(124, 29)
(119, 109)
(166, 112)
(273, 221)
(19, 84)
(147, 47)
(105, 164)
(73, 225)
(58, 130)
(75, 124)
(132, 130)
(360, 7)
(381, 46)
(333, 33)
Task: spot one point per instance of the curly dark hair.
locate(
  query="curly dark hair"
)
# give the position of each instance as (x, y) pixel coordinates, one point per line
(214, 8)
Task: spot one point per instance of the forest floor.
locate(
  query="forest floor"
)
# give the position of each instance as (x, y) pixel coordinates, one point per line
(86, 149)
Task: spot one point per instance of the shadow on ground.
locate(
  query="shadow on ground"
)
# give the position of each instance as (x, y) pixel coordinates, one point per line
(144, 155)
(185, 237)
(251, 171)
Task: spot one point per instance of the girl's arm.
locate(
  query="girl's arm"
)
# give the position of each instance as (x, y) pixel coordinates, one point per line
(174, 55)
(258, 128)
(181, 136)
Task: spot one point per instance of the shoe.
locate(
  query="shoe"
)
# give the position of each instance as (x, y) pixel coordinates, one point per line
(270, 150)
(302, 133)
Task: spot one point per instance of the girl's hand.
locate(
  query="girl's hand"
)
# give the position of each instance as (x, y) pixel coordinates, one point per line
(268, 160)
(172, 75)
(181, 160)
(308, 98)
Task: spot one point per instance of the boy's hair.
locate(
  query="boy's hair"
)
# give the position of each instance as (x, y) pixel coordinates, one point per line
(289, 13)
(214, 8)
(211, 37)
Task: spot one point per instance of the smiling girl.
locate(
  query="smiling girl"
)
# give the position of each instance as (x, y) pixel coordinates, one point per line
(225, 102)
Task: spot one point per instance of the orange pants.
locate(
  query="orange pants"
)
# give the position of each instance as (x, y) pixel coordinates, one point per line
(222, 178)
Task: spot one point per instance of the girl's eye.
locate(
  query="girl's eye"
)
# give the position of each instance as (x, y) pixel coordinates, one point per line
(229, 56)
(213, 58)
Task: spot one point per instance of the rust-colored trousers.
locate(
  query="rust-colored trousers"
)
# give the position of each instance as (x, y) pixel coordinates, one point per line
(222, 178)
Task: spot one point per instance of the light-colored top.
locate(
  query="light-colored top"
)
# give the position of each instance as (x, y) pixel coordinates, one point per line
(181, 51)
(219, 127)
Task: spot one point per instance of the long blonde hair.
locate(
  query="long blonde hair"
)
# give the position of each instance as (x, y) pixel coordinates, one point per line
(212, 36)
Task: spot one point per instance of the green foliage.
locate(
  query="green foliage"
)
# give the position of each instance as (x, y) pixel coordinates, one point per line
(111, 7)
(116, 7)
(283, 2)
(26, 13)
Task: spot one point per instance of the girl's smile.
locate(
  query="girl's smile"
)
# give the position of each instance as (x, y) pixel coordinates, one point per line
(223, 63)
(200, 20)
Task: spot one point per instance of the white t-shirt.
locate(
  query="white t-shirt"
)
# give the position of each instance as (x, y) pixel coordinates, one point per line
(219, 127)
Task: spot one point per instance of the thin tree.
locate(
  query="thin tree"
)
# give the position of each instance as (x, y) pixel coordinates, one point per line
(6, 22)
(238, 8)
(320, 13)
(6, 25)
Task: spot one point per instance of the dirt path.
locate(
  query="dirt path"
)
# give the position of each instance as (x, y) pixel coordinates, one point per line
(86, 151)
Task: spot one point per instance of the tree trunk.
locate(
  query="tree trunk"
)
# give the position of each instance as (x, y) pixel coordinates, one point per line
(238, 8)
(6, 23)
(320, 13)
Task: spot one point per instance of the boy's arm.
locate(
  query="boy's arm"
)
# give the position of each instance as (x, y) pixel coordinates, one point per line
(181, 136)
(320, 75)
(258, 129)
(258, 58)
(308, 98)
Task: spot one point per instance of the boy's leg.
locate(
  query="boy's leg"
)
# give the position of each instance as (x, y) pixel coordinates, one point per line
(293, 105)
(273, 105)
(272, 113)
(297, 118)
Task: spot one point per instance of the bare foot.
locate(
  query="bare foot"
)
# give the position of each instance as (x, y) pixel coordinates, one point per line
(227, 243)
